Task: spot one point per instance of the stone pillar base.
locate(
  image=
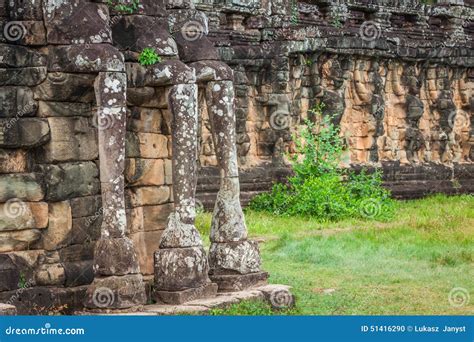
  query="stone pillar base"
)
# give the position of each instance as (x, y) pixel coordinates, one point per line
(180, 297)
(116, 292)
(239, 282)
(10, 310)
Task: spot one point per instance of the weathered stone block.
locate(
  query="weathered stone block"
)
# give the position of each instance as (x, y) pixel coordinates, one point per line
(86, 206)
(135, 33)
(60, 86)
(16, 56)
(86, 58)
(64, 181)
(239, 282)
(63, 109)
(50, 274)
(71, 139)
(7, 310)
(242, 257)
(17, 102)
(146, 243)
(29, 76)
(180, 297)
(145, 120)
(78, 273)
(153, 145)
(13, 161)
(148, 218)
(26, 187)
(23, 132)
(18, 215)
(9, 274)
(86, 228)
(115, 257)
(144, 172)
(147, 195)
(60, 225)
(180, 268)
(76, 22)
(116, 292)
(19, 240)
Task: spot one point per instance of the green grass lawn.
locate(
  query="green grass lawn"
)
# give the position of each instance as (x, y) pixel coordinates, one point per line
(407, 266)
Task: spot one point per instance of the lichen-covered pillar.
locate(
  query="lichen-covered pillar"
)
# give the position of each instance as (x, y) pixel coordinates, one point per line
(118, 283)
(234, 260)
(181, 265)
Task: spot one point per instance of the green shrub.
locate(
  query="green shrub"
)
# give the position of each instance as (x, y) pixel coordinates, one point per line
(130, 6)
(319, 187)
(149, 57)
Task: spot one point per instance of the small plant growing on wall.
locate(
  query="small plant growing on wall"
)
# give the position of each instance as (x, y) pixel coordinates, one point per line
(130, 6)
(149, 57)
(294, 12)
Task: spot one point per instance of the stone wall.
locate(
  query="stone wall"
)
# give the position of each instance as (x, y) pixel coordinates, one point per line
(398, 74)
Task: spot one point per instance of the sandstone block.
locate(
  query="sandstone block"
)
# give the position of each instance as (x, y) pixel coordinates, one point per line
(23, 132)
(13, 161)
(19, 240)
(60, 225)
(147, 195)
(50, 274)
(153, 145)
(145, 172)
(71, 139)
(115, 257)
(7, 310)
(16, 56)
(26, 187)
(17, 215)
(29, 76)
(60, 86)
(146, 243)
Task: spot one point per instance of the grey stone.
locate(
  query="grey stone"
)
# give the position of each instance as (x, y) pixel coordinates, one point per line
(116, 292)
(234, 257)
(68, 180)
(115, 257)
(25, 187)
(17, 102)
(180, 297)
(239, 282)
(29, 76)
(180, 268)
(23, 132)
(9, 274)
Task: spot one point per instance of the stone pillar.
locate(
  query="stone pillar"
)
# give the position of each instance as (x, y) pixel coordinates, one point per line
(234, 260)
(181, 265)
(118, 283)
